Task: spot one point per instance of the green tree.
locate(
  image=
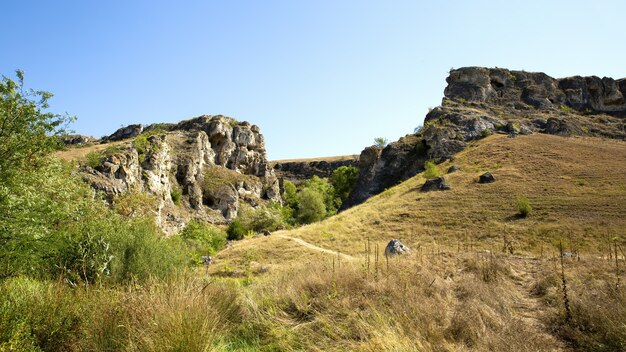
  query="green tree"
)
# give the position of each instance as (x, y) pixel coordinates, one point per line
(289, 194)
(326, 190)
(311, 206)
(343, 180)
(380, 142)
(25, 130)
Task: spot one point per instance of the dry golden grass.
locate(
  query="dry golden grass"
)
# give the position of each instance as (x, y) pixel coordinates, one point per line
(459, 290)
(80, 154)
(576, 186)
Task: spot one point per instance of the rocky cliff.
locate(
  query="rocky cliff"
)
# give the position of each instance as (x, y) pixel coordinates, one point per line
(480, 101)
(298, 171)
(201, 168)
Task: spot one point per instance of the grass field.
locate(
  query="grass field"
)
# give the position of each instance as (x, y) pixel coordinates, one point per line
(479, 277)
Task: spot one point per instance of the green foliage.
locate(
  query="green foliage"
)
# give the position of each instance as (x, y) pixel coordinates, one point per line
(176, 195)
(236, 231)
(567, 109)
(486, 132)
(263, 217)
(311, 206)
(380, 142)
(26, 131)
(343, 180)
(326, 191)
(523, 206)
(144, 146)
(36, 316)
(202, 239)
(289, 194)
(431, 170)
(94, 159)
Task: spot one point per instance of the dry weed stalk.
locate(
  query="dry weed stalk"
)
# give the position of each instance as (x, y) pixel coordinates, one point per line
(568, 312)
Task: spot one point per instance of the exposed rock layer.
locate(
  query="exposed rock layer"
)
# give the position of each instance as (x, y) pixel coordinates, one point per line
(299, 171)
(199, 168)
(480, 101)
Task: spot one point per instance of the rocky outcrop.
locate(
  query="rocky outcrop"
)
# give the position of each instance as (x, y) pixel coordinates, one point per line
(381, 168)
(299, 171)
(435, 184)
(201, 168)
(521, 90)
(76, 140)
(395, 247)
(479, 102)
(127, 132)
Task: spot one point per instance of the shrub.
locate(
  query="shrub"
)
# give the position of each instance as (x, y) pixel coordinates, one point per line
(202, 239)
(176, 195)
(94, 159)
(431, 170)
(326, 190)
(343, 179)
(311, 206)
(263, 217)
(289, 194)
(36, 316)
(523, 206)
(380, 142)
(236, 231)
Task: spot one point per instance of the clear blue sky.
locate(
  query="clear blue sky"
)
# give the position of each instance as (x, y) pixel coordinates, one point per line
(319, 77)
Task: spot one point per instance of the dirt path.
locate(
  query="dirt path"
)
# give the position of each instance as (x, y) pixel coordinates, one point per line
(314, 247)
(528, 307)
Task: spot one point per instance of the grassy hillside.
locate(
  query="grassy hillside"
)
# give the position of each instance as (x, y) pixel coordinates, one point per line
(576, 186)
(479, 276)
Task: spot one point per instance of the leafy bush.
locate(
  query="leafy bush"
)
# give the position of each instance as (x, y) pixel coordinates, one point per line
(236, 231)
(523, 206)
(311, 206)
(343, 180)
(289, 194)
(380, 142)
(327, 192)
(263, 217)
(176, 195)
(431, 170)
(94, 159)
(36, 316)
(202, 239)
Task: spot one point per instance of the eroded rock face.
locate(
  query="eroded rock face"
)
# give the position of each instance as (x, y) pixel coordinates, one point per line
(76, 139)
(535, 89)
(381, 168)
(479, 102)
(299, 171)
(208, 165)
(395, 247)
(126, 132)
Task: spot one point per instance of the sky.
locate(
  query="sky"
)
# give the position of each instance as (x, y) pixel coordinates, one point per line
(320, 78)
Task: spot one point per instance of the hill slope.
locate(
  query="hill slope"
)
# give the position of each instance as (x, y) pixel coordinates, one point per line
(313, 288)
(576, 186)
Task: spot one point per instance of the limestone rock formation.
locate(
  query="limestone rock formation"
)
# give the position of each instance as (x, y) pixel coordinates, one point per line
(395, 247)
(435, 184)
(521, 90)
(479, 102)
(76, 139)
(201, 168)
(126, 132)
(299, 171)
